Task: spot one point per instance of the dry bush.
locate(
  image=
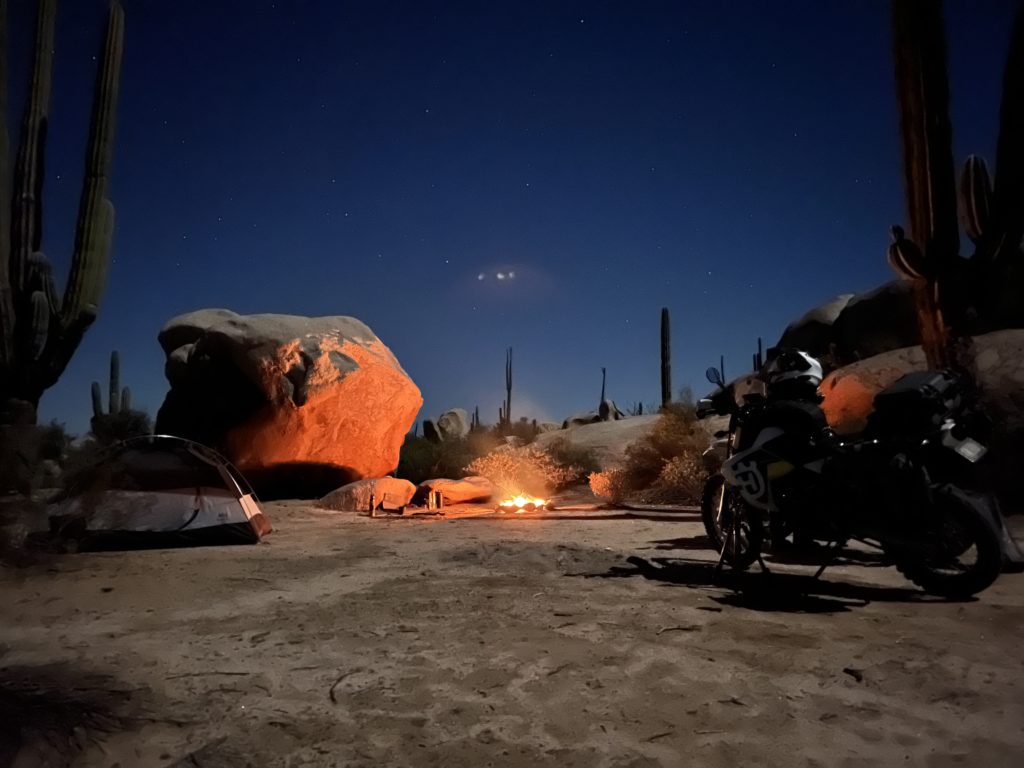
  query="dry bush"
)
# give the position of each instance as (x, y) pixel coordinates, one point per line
(580, 462)
(524, 469)
(610, 484)
(664, 466)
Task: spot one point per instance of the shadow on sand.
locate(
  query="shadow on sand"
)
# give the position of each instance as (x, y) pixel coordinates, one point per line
(759, 591)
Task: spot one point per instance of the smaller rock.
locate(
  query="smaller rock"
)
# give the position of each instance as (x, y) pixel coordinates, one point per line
(389, 492)
(463, 491)
(430, 431)
(453, 424)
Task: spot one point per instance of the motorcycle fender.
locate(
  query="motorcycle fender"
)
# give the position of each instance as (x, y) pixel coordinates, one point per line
(1013, 557)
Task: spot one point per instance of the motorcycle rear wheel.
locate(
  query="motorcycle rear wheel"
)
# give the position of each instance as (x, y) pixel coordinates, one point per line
(960, 529)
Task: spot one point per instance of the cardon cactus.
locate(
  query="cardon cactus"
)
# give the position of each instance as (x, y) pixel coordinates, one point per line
(119, 422)
(39, 329)
(666, 359)
(954, 296)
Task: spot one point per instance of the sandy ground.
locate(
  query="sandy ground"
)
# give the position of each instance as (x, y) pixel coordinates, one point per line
(507, 641)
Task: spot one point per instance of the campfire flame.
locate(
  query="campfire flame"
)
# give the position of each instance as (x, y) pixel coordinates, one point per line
(520, 504)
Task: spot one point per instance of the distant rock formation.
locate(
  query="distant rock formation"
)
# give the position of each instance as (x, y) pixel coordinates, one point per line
(301, 405)
(607, 411)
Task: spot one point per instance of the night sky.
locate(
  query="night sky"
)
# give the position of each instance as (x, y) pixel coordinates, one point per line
(736, 162)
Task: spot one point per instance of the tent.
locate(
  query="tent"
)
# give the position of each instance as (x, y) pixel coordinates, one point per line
(158, 491)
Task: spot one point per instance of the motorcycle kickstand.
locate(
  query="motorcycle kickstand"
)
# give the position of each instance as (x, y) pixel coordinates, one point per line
(829, 558)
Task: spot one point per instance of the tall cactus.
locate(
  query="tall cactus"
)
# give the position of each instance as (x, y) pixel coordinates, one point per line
(39, 330)
(666, 360)
(929, 254)
(951, 293)
(506, 412)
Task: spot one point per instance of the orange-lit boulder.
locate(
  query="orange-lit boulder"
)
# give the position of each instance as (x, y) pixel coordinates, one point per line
(301, 405)
(998, 359)
(462, 491)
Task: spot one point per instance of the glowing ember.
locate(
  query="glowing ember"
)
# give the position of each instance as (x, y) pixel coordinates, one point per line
(521, 504)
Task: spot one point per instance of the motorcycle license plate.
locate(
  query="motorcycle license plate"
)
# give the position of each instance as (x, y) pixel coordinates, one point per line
(971, 450)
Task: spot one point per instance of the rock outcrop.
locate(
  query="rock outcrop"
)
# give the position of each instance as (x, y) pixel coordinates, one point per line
(453, 424)
(464, 491)
(607, 411)
(854, 327)
(300, 405)
(386, 492)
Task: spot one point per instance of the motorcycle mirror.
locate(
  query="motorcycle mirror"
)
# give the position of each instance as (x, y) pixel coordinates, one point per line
(714, 376)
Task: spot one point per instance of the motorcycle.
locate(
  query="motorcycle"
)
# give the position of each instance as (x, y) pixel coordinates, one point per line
(893, 487)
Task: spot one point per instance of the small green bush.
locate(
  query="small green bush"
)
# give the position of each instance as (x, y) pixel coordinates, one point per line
(422, 459)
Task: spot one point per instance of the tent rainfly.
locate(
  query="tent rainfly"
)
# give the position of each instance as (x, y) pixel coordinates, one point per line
(155, 492)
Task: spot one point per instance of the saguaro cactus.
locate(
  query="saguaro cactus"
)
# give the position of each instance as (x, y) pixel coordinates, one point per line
(39, 330)
(666, 361)
(952, 293)
(506, 411)
(119, 422)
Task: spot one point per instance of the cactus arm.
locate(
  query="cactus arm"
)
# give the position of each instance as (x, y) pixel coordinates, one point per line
(919, 48)
(94, 229)
(976, 203)
(28, 170)
(97, 400)
(1008, 194)
(126, 400)
(40, 326)
(114, 405)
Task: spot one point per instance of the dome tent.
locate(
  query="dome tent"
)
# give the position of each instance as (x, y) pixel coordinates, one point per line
(157, 491)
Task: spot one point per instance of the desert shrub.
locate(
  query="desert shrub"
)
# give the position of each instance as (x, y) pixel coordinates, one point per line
(665, 465)
(422, 459)
(581, 462)
(609, 484)
(525, 469)
(110, 428)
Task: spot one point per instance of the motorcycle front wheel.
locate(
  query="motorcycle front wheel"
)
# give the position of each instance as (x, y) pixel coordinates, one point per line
(735, 528)
(958, 553)
(711, 505)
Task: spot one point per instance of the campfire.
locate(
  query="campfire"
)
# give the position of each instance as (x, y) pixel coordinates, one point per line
(520, 504)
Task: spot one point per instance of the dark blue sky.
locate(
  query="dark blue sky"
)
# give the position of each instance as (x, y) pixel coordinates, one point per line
(737, 162)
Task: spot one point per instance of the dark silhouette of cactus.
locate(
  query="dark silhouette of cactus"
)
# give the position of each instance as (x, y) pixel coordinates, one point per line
(951, 292)
(506, 413)
(39, 330)
(604, 378)
(666, 360)
(119, 421)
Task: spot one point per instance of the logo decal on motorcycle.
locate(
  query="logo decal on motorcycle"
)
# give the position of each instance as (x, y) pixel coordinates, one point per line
(749, 480)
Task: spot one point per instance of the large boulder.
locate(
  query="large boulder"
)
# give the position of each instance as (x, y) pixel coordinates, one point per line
(301, 405)
(463, 491)
(854, 327)
(813, 332)
(386, 492)
(453, 424)
(608, 440)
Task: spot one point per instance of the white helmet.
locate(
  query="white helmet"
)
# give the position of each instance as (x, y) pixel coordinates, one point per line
(792, 365)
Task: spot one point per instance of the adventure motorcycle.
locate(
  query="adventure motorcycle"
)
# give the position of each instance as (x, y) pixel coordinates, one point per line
(893, 487)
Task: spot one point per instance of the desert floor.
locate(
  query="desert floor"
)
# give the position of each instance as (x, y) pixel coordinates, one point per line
(498, 641)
